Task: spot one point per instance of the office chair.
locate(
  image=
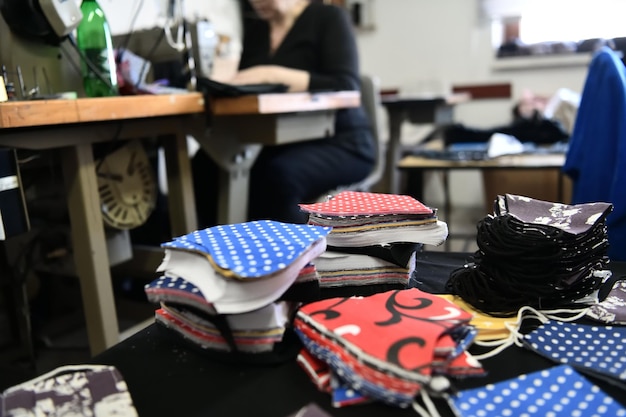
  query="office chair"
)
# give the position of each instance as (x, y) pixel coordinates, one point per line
(370, 97)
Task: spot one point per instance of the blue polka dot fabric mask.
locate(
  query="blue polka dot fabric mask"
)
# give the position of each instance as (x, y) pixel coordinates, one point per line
(238, 268)
(595, 349)
(252, 249)
(554, 392)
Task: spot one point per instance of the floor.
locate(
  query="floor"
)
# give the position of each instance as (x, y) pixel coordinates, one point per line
(58, 327)
(57, 318)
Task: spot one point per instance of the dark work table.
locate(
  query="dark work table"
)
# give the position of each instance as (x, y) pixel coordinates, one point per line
(167, 377)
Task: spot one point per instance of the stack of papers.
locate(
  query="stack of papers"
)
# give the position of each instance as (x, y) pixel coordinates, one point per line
(373, 240)
(409, 340)
(535, 253)
(227, 287)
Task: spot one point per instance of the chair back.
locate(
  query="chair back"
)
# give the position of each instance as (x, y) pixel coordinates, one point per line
(370, 97)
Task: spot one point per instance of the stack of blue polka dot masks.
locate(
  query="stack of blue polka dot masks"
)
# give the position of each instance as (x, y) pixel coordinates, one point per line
(241, 267)
(222, 287)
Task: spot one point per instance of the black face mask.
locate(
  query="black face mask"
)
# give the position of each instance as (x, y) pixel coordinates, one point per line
(534, 253)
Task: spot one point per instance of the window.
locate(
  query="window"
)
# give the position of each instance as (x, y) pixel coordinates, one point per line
(566, 23)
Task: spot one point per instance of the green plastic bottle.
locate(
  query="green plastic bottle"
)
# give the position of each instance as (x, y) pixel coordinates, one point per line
(94, 40)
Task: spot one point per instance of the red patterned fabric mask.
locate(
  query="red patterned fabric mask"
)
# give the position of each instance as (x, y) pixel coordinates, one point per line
(389, 345)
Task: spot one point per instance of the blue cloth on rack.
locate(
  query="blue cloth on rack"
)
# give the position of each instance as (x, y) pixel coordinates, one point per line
(596, 159)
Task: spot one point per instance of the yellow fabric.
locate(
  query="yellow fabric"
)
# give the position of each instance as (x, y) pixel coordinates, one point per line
(488, 327)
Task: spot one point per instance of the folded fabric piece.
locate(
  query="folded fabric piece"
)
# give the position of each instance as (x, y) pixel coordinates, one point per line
(433, 268)
(230, 291)
(433, 234)
(398, 253)
(363, 219)
(407, 339)
(574, 219)
(253, 332)
(487, 327)
(343, 394)
(597, 350)
(306, 287)
(178, 291)
(85, 390)
(317, 370)
(347, 271)
(243, 267)
(535, 253)
(558, 391)
(338, 269)
(612, 310)
(355, 203)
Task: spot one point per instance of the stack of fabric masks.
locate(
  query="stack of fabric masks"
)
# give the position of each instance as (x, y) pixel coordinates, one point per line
(535, 253)
(408, 341)
(373, 241)
(227, 288)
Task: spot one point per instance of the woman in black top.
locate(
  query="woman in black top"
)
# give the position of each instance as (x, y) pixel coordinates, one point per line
(308, 47)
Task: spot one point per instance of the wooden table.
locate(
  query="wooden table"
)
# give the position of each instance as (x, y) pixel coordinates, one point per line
(547, 161)
(427, 109)
(154, 360)
(73, 126)
(240, 126)
(234, 134)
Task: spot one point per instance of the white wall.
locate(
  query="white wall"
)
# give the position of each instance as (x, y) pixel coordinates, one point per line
(424, 44)
(416, 45)
(419, 43)
(223, 13)
(120, 13)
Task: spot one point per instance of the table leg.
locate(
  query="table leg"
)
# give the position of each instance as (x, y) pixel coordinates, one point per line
(447, 205)
(444, 115)
(394, 149)
(181, 200)
(235, 159)
(89, 247)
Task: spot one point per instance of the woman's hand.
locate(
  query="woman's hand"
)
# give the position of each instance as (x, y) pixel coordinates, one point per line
(296, 80)
(261, 74)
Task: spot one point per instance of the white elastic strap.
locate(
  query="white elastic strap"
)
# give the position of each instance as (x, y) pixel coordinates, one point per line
(179, 17)
(430, 410)
(516, 337)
